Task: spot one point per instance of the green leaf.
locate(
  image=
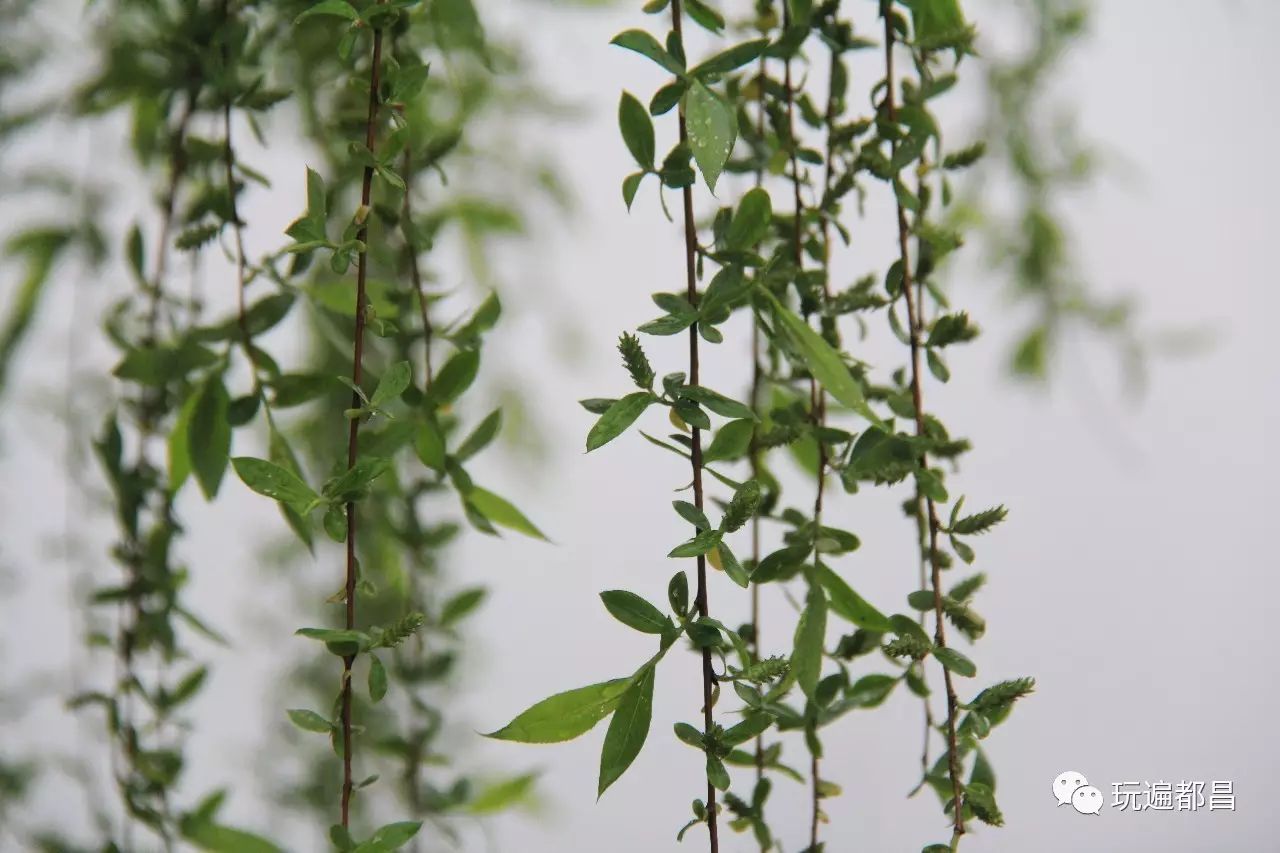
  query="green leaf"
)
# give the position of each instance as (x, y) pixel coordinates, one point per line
(310, 721)
(335, 522)
(480, 437)
(461, 605)
(706, 17)
(935, 19)
(871, 690)
(392, 384)
(955, 661)
(637, 131)
(728, 60)
(267, 478)
(393, 836)
(678, 593)
(717, 402)
(454, 378)
(810, 636)
(634, 612)
(178, 445)
(849, 605)
(339, 641)
(646, 45)
(354, 483)
(717, 775)
(428, 443)
(501, 511)
(752, 726)
(458, 24)
(564, 716)
(336, 8)
(692, 514)
(712, 130)
(750, 222)
(698, 545)
(159, 365)
(377, 679)
(824, 362)
(731, 441)
(209, 435)
(214, 838)
(617, 418)
(627, 730)
(501, 795)
(630, 186)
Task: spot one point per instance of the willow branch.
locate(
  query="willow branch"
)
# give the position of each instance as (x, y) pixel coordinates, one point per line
(415, 273)
(917, 396)
(353, 431)
(757, 384)
(701, 601)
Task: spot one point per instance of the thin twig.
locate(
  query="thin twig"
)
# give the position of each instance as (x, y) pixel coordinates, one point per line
(691, 275)
(415, 274)
(757, 381)
(815, 390)
(353, 431)
(917, 396)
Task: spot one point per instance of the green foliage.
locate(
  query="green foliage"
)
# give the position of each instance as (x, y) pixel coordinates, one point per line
(391, 96)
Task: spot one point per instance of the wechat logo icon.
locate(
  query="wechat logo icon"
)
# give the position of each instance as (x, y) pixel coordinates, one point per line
(1071, 788)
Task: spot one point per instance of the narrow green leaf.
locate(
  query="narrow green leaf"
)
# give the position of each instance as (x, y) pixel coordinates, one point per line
(698, 545)
(392, 385)
(310, 721)
(454, 378)
(209, 435)
(718, 403)
(633, 611)
(501, 511)
(377, 679)
(461, 605)
(617, 418)
(214, 838)
(480, 437)
(269, 479)
(824, 362)
(646, 45)
(849, 605)
(713, 128)
(627, 730)
(393, 836)
(336, 8)
(810, 637)
(428, 443)
(637, 131)
(955, 661)
(501, 795)
(750, 222)
(731, 441)
(728, 60)
(565, 716)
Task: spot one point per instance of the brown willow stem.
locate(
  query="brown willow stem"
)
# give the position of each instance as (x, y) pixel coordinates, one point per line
(757, 380)
(917, 398)
(353, 431)
(815, 390)
(922, 532)
(177, 169)
(415, 273)
(149, 411)
(701, 601)
(237, 229)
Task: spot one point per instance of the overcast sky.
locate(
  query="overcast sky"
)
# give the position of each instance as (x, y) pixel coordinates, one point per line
(1134, 577)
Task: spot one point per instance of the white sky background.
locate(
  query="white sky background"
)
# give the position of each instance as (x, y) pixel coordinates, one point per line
(1133, 579)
